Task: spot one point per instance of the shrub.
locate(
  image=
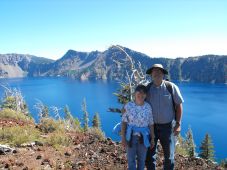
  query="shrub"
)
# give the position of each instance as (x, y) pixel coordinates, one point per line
(12, 114)
(180, 147)
(58, 138)
(97, 133)
(14, 100)
(49, 125)
(223, 163)
(18, 135)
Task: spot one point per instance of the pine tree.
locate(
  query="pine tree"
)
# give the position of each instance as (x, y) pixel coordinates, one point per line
(96, 121)
(189, 143)
(14, 100)
(68, 115)
(180, 146)
(223, 163)
(85, 115)
(9, 102)
(69, 120)
(207, 148)
(135, 76)
(45, 112)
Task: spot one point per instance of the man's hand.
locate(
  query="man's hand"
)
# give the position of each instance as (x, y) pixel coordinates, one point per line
(177, 129)
(152, 144)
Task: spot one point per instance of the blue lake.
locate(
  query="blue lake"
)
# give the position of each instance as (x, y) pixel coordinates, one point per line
(204, 107)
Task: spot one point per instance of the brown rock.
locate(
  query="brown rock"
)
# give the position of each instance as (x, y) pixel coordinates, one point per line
(25, 168)
(68, 153)
(39, 157)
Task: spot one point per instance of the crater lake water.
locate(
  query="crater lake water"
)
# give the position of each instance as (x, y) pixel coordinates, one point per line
(205, 106)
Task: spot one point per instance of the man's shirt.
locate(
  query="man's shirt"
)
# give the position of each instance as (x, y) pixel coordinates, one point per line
(161, 102)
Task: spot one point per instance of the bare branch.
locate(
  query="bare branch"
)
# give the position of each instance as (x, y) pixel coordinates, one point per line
(56, 112)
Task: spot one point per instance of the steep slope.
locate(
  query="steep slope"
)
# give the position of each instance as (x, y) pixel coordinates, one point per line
(112, 64)
(20, 65)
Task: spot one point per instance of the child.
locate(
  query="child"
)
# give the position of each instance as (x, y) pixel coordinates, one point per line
(137, 126)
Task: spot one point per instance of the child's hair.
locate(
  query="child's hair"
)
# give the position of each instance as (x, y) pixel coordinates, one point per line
(141, 88)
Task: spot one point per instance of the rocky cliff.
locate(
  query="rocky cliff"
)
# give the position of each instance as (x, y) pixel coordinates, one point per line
(112, 65)
(20, 65)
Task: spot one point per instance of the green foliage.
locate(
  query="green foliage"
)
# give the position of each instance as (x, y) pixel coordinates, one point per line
(58, 138)
(135, 76)
(18, 135)
(186, 146)
(96, 121)
(9, 102)
(223, 163)
(49, 125)
(124, 94)
(14, 100)
(45, 112)
(68, 164)
(70, 122)
(85, 116)
(189, 143)
(77, 124)
(180, 147)
(207, 148)
(12, 114)
(67, 113)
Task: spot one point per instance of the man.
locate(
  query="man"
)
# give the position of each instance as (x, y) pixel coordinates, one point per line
(167, 113)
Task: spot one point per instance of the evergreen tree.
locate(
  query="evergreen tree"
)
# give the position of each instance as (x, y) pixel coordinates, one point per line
(189, 143)
(96, 121)
(14, 100)
(124, 94)
(135, 76)
(69, 120)
(9, 102)
(85, 115)
(45, 112)
(207, 148)
(223, 163)
(180, 146)
(68, 115)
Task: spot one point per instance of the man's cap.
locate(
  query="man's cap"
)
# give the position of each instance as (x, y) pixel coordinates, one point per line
(157, 66)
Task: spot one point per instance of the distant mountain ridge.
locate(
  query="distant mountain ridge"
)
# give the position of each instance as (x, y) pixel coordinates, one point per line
(21, 65)
(107, 65)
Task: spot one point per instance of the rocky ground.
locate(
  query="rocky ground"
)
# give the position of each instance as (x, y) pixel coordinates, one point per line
(86, 153)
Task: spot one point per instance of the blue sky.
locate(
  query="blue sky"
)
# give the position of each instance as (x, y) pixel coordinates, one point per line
(158, 28)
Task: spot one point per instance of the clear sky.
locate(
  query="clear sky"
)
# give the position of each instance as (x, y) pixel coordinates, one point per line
(158, 28)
